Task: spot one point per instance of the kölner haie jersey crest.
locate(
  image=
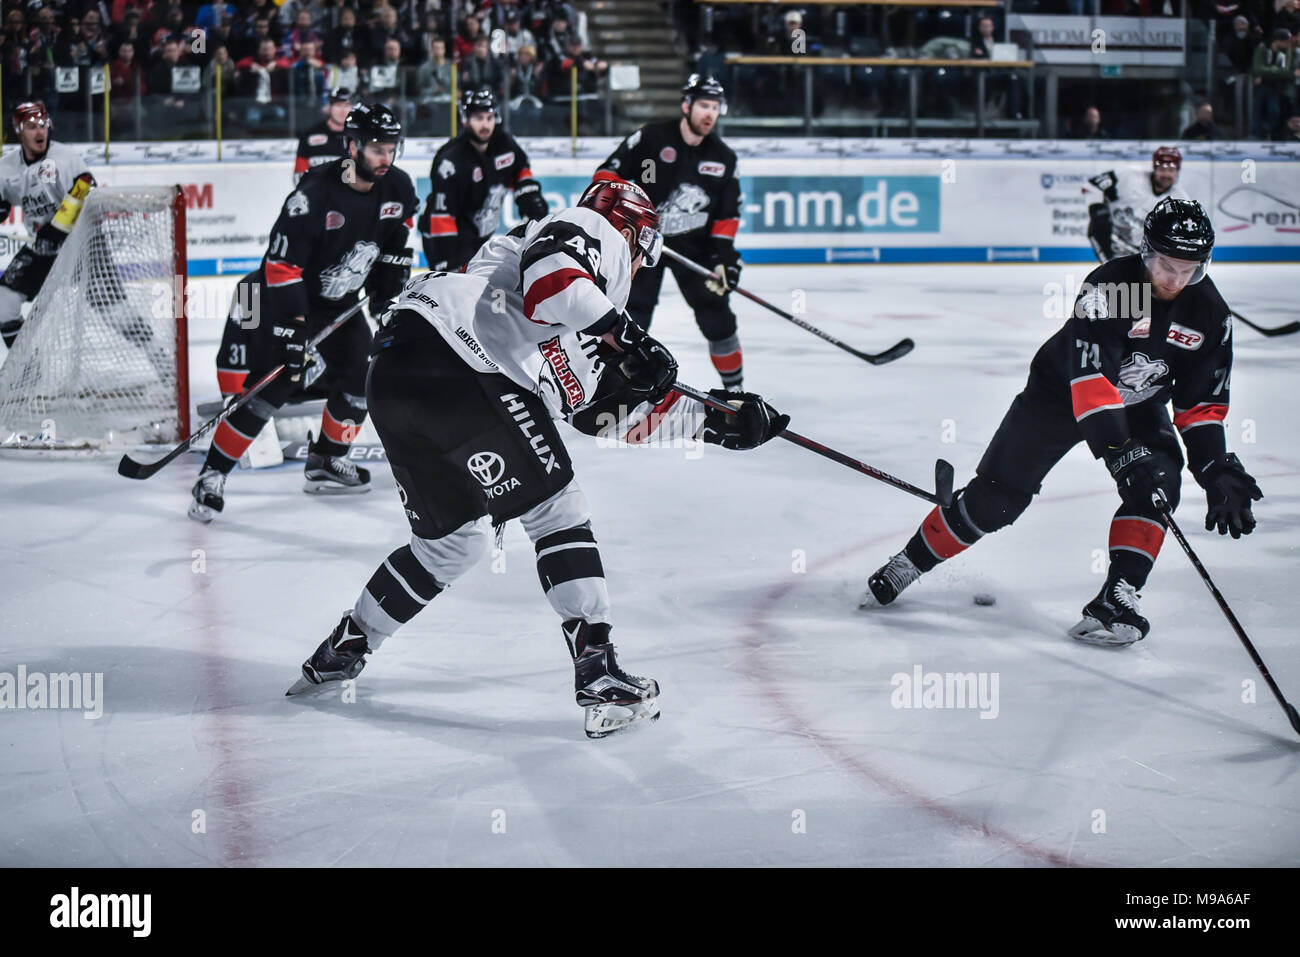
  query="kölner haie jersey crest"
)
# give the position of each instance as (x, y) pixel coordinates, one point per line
(1122, 347)
(533, 303)
(328, 236)
(39, 187)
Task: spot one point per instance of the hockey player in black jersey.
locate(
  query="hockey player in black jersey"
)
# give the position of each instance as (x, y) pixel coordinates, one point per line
(690, 175)
(471, 175)
(324, 142)
(344, 228)
(470, 372)
(1145, 329)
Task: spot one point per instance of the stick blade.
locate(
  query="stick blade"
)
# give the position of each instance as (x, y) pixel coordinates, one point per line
(943, 479)
(896, 351)
(128, 467)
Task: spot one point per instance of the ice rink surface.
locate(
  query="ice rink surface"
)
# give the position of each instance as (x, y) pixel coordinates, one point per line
(735, 579)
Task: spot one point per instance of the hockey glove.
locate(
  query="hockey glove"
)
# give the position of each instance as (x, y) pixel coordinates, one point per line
(753, 423)
(649, 368)
(1138, 474)
(1229, 490)
(387, 278)
(529, 199)
(728, 274)
(290, 338)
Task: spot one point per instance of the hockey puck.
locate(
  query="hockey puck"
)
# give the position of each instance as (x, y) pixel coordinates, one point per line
(983, 598)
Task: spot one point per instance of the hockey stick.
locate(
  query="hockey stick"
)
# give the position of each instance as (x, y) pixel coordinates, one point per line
(130, 468)
(943, 472)
(1286, 330)
(896, 351)
(1162, 506)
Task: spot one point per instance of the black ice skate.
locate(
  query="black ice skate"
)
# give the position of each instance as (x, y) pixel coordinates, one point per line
(332, 475)
(340, 656)
(614, 699)
(1112, 617)
(890, 579)
(209, 496)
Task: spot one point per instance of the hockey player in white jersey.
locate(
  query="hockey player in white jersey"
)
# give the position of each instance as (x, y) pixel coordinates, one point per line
(1115, 224)
(469, 372)
(49, 181)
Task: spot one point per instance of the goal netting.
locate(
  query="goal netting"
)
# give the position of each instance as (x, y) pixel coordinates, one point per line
(101, 360)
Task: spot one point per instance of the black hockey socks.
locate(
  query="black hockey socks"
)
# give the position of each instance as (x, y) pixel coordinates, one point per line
(944, 533)
(397, 592)
(339, 424)
(1134, 544)
(569, 568)
(236, 434)
(729, 361)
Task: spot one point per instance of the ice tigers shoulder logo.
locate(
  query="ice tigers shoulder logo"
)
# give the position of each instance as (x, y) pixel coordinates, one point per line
(446, 169)
(1093, 305)
(297, 204)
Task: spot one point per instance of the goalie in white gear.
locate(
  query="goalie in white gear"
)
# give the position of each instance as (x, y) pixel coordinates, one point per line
(470, 371)
(1115, 224)
(49, 181)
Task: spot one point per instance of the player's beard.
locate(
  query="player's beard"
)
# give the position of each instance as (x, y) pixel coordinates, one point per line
(697, 131)
(365, 171)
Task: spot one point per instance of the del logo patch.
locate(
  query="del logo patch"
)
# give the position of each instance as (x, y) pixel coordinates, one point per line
(1185, 338)
(390, 211)
(713, 169)
(317, 139)
(504, 160)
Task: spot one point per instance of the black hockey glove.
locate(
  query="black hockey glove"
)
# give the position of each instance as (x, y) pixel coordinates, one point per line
(728, 276)
(1229, 490)
(753, 423)
(290, 338)
(529, 199)
(1138, 474)
(387, 278)
(649, 368)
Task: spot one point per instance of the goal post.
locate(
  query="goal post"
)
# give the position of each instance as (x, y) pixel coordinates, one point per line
(102, 358)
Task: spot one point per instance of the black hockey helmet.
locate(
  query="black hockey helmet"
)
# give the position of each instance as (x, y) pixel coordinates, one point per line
(703, 88)
(471, 101)
(372, 123)
(1179, 229)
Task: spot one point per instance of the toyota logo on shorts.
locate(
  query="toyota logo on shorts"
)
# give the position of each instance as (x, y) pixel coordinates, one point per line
(487, 467)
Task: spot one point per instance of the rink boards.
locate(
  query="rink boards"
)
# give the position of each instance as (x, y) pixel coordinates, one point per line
(805, 201)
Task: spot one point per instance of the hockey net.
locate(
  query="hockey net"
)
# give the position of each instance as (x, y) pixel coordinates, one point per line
(101, 360)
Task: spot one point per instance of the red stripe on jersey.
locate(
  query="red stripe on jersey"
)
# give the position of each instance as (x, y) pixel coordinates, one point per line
(939, 537)
(300, 165)
(281, 273)
(1092, 394)
(726, 228)
(442, 226)
(524, 173)
(410, 222)
(229, 442)
(231, 381)
(646, 427)
(336, 431)
(1200, 414)
(728, 363)
(607, 174)
(1140, 534)
(544, 287)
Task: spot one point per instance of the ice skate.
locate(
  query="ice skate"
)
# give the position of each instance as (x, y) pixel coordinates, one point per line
(1112, 617)
(209, 496)
(890, 579)
(333, 475)
(340, 656)
(614, 700)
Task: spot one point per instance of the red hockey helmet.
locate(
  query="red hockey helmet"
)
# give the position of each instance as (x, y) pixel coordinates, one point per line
(1167, 156)
(31, 110)
(626, 205)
